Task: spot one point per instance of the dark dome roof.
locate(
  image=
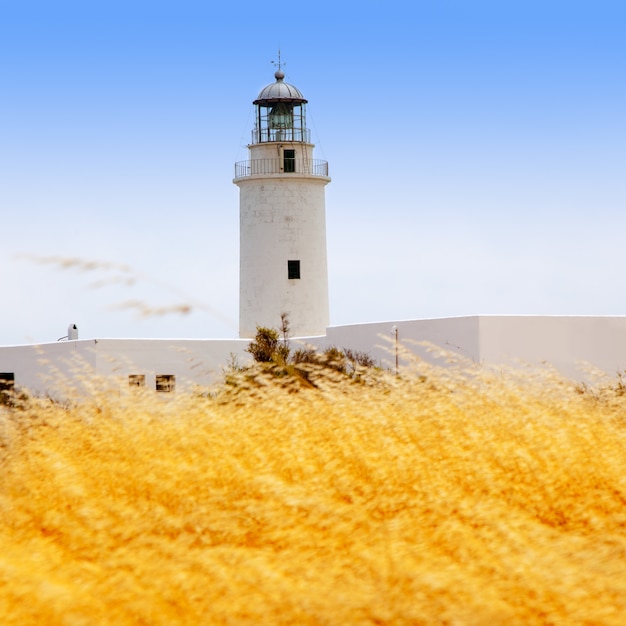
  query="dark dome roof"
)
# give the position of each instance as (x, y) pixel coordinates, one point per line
(279, 91)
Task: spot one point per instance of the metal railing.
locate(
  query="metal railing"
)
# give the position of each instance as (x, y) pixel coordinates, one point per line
(261, 167)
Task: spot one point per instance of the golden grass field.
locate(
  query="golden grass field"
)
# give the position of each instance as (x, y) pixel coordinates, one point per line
(445, 499)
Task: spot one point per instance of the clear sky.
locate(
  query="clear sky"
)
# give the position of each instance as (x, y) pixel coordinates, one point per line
(477, 150)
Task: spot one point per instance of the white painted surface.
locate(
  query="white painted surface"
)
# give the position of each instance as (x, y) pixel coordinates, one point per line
(50, 369)
(67, 368)
(569, 344)
(573, 345)
(458, 335)
(282, 218)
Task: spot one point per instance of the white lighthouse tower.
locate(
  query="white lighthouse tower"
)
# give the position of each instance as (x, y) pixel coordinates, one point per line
(283, 266)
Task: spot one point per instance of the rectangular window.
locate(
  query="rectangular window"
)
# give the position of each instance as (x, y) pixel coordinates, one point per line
(137, 380)
(289, 160)
(7, 385)
(293, 270)
(165, 382)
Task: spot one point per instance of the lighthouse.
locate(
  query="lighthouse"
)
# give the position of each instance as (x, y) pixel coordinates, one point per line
(282, 212)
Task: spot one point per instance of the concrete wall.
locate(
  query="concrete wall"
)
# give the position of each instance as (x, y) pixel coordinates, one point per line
(573, 345)
(456, 335)
(570, 344)
(194, 362)
(66, 368)
(47, 368)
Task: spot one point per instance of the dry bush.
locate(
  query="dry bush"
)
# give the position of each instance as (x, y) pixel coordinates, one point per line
(433, 498)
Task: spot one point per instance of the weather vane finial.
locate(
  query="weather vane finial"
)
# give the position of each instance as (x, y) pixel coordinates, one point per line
(278, 63)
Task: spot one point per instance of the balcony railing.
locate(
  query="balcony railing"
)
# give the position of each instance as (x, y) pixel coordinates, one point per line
(262, 167)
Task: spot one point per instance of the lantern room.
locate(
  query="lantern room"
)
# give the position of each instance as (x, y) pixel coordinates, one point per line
(280, 113)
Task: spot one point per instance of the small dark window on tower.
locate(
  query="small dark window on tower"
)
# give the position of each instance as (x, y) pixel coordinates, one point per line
(289, 160)
(293, 269)
(7, 385)
(137, 380)
(165, 382)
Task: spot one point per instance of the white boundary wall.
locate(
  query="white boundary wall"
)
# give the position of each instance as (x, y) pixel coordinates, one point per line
(72, 367)
(570, 344)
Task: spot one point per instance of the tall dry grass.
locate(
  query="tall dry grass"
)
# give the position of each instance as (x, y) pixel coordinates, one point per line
(422, 500)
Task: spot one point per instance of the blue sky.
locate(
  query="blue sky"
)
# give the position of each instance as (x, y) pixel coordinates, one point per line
(477, 150)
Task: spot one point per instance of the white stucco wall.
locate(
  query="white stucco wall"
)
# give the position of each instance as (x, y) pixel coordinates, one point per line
(570, 344)
(194, 362)
(457, 335)
(573, 345)
(47, 368)
(73, 367)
